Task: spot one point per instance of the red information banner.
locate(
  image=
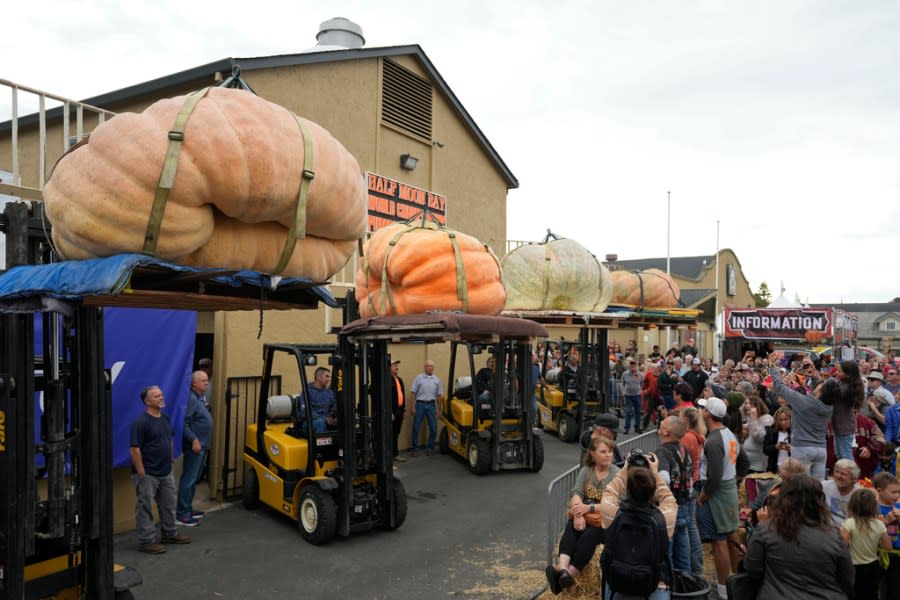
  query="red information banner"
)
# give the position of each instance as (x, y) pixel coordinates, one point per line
(391, 201)
(778, 323)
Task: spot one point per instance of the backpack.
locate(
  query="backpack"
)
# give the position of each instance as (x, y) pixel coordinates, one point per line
(681, 477)
(635, 554)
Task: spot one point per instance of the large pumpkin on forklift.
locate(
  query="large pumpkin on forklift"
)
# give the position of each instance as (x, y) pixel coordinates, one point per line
(421, 265)
(555, 274)
(651, 288)
(234, 192)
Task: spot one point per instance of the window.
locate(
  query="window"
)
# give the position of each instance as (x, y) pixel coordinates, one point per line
(890, 325)
(406, 100)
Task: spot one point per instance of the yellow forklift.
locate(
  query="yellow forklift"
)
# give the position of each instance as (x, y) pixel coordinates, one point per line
(492, 429)
(56, 495)
(337, 481)
(575, 394)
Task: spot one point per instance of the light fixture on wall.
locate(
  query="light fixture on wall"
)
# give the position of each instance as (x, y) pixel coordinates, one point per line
(408, 162)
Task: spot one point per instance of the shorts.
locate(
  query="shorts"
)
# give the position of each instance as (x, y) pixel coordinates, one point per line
(707, 526)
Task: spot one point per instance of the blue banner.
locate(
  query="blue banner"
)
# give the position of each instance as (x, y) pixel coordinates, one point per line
(142, 347)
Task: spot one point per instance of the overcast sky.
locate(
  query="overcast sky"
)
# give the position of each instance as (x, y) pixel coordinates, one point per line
(779, 119)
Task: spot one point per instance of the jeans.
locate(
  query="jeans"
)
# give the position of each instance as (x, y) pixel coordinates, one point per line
(680, 546)
(192, 466)
(613, 393)
(843, 446)
(668, 401)
(162, 490)
(320, 425)
(632, 406)
(694, 538)
(812, 458)
(423, 410)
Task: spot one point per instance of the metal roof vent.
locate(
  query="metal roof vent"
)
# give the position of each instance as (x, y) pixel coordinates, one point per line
(340, 33)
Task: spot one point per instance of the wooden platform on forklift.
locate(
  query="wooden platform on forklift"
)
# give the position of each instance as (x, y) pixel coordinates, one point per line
(618, 316)
(134, 280)
(441, 327)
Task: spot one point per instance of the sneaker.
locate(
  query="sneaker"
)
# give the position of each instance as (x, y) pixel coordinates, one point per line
(414, 453)
(565, 579)
(198, 514)
(399, 459)
(187, 521)
(429, 453)
(152, 548)
(178, 538)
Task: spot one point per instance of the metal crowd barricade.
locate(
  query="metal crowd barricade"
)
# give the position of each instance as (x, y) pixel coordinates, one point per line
(559, 488)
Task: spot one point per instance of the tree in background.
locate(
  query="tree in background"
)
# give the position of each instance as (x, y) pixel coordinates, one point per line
(763, 297)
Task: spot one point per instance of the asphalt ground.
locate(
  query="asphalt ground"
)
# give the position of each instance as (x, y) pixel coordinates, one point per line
(465, 536)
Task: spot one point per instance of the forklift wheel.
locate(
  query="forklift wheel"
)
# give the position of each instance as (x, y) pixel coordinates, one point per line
(479, 455)
(317, 515)
(538, 454)
(567, 428)
(250, 493)
(444, 441)
(400, 505)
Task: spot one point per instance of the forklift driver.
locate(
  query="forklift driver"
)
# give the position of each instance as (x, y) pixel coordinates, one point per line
(322, 403)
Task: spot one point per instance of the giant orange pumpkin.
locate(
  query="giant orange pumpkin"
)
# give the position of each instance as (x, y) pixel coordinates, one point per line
(410, 268)
(234, 194)
(650, 288)
(556, 274)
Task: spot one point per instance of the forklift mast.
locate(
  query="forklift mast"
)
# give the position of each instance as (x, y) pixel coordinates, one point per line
(64, 533)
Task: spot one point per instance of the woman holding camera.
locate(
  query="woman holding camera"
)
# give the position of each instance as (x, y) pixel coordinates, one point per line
(583, 532)
(640, 486)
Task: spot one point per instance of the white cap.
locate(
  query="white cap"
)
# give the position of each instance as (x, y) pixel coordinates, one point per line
(715, 406)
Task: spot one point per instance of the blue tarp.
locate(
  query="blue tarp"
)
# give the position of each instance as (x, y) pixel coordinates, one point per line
(74, 279)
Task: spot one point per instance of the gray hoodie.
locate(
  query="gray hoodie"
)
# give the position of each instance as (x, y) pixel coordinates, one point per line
(809, 415)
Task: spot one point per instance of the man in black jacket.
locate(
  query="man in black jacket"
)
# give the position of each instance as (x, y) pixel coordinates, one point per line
(398, 406)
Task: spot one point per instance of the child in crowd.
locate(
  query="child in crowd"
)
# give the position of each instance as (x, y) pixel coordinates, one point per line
(888, 462)
(865, 533)
(887, 488)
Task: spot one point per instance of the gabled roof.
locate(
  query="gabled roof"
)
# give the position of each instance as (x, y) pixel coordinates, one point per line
(887, 315)
(692, 297)
(688, 267)
(225, 65)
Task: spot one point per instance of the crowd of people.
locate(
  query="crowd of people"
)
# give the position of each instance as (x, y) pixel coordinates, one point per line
(816, 438)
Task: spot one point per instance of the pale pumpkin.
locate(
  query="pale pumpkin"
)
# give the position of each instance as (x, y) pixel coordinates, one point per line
(410, 268)
(234, 193)
(557, 274)
(651, 288)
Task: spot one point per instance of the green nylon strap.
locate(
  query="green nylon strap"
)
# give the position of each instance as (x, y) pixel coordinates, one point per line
(386, 296)
(462, 287)
(297, 230)
(547, 258)
(167, 174)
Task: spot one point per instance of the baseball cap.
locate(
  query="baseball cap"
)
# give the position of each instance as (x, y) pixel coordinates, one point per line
(696, 361)
(395, 362)
(717, 390)
(715, 406)
(875, 375)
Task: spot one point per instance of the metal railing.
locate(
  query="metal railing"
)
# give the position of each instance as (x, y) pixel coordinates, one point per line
(559, 488)
(34, 103)
(241, 404)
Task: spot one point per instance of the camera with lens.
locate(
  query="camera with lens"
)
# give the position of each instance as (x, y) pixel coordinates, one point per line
(638, 458)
